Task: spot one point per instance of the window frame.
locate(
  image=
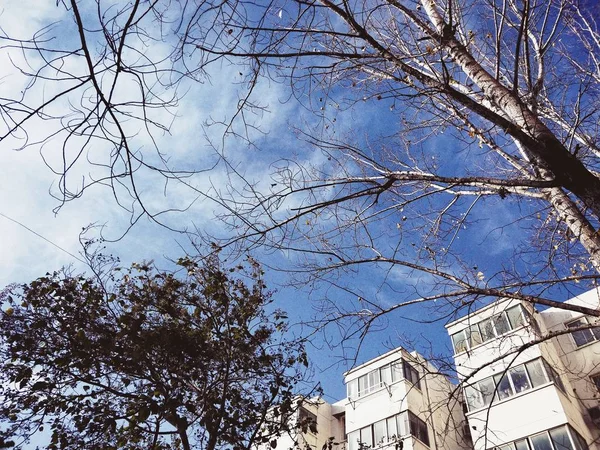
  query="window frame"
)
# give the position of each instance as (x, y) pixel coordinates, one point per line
(592, 331)
(549, 375)
(395, 422)
(467, 341)
(576, 441)
(413, 374)
(304, 415)
(418, 428)
(376, 379)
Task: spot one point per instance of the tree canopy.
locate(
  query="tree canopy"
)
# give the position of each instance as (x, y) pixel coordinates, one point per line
(146, 360)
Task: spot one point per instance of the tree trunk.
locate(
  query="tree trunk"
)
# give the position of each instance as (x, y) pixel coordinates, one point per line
(547, 152)
(580, 227)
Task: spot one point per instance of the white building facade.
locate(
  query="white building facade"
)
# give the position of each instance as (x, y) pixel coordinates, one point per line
(518, 390)
(524, 392)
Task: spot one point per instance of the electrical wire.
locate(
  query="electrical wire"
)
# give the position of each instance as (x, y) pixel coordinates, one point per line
(40, 236)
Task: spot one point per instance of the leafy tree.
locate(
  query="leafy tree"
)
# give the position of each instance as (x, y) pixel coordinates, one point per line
(146, 360)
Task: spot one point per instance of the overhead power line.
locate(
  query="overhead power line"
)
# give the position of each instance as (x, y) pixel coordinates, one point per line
(44, 238)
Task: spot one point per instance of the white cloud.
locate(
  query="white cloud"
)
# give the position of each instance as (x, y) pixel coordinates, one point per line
(26, 179)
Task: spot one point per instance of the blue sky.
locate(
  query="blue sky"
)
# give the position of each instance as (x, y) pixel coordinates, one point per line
(485, 243)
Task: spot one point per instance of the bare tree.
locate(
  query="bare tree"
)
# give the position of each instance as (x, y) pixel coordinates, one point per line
(488, 104)
(505, 90)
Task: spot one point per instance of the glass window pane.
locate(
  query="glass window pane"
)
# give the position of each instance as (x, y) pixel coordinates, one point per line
(596, 333)
(402, 424)
(506, 447)
(392, 429)
(406, 371)
(515, 316)
(397, 371)
(473, 397)
(379, 433)
(596, 381)
(418, 428)
(581, 337)
(374, 381)
(459, 341)
(487, 389)
(504, 389)
(578, 440)
(501, 324)
(353, 439)
(366, 437)
(560, 439)
(519, 379)
(363, 385)
(541, 442)
(536, 372)
(411, 374)
(423, 433)
(386, 375)
(352, 389)
(487, 330)
(521, 445)
(475, 335)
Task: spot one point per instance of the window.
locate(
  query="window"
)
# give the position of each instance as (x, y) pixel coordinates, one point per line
(475, 335)
(594, 414)
(459, 341)
(515, 380)
(596, 380)
(536, 372)
(501, 324)
(352, 389)
(487, 390)
(519, 379)
(489, 329)
(541, 441)
(585, 336)
(386, 375)
(369, 382)
(578, 440)
(366, 436)
(503, 386)
(392, 427)
(418, 428)
(559, 438)
(307, 421)
(411, 374)
(515, 316)
(379, 433)
(353, 440)
(378, 378)
(397, 372)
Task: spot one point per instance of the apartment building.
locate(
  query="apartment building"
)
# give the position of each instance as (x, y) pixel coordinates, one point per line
(523, 392)
(397, 401)
(517, 390)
